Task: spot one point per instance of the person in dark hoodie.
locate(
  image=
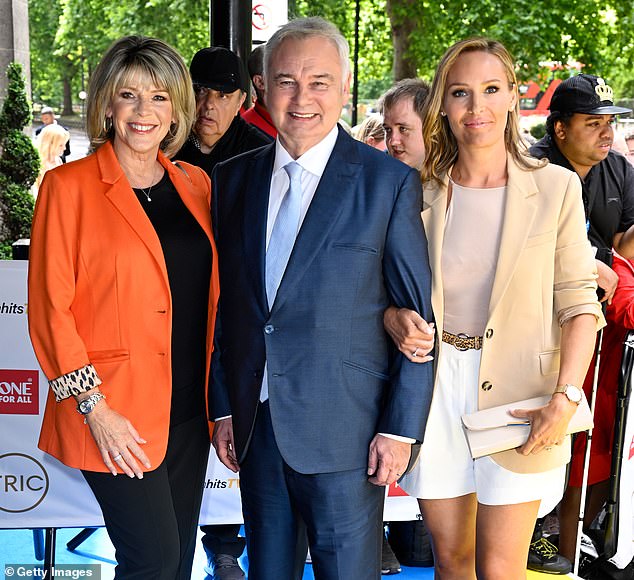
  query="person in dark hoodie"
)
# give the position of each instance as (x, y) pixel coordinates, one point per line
(219, 132)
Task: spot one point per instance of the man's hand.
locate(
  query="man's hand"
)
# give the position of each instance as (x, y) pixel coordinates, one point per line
(387, 460)
(607, 280)
(222, 441)
(411, 333)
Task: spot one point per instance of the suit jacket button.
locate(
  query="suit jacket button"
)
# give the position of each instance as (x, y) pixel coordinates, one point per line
(486, 386)
(269, 329)
(489, 333)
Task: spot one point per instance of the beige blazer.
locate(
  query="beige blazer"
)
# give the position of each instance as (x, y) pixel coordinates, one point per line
(545, 274)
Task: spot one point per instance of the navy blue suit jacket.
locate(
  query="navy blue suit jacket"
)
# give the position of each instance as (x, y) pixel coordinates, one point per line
(334, 377)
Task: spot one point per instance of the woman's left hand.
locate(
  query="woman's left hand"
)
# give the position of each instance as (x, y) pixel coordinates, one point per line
(548, 424)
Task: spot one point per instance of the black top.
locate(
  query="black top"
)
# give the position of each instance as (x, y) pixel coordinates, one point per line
(188, 259)
(608, 193)
(240, 137)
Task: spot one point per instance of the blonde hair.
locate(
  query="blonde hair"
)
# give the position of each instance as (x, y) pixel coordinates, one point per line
(371, 126)
(440, 143)
(51, 138)
(49, 141)
(127, 58)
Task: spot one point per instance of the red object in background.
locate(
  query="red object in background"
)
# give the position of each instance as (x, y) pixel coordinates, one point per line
(19, 392)
(543, 102)
(395, 491)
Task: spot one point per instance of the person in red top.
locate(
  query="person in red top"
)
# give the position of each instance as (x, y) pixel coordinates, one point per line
(258, 115)
(620, 317)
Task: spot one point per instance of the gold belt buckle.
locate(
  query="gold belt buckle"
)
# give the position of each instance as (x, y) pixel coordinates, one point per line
(462, 341)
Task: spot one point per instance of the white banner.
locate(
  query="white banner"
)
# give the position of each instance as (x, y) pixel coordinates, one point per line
(36, 490)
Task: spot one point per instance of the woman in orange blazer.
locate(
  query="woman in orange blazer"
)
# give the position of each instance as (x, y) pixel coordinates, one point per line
(123, 287)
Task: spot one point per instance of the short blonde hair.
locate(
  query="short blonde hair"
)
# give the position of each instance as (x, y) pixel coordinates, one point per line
(50, 139)
(151, 58)
(440, 143)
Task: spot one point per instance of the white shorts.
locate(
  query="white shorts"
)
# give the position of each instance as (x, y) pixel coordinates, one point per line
(445, 468)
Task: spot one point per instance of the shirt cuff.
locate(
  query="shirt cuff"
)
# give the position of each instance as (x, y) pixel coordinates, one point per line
(221, 418)
(399, 438)
(75, 382)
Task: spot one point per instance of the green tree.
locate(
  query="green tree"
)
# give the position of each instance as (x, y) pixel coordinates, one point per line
(69, 37)
(19, 163)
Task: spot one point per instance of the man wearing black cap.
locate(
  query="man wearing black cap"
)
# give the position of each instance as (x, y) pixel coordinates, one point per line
(579, 137)
(219, 132)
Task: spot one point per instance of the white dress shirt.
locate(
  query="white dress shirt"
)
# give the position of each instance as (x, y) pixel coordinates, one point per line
(313, 163)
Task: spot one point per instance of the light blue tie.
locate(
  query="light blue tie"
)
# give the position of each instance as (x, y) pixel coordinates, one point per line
(284, 232)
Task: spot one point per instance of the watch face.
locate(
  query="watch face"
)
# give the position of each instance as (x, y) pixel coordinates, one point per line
(85, 406)
(574, 394)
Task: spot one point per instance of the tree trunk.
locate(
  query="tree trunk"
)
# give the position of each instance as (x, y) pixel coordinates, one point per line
(402, 25)
(68, 71)
(68, 97)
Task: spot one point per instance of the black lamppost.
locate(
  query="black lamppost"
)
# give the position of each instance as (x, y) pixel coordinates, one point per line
(230, 26)
(355, 63)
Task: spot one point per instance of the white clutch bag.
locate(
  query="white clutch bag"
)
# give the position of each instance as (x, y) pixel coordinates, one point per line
(493, 430)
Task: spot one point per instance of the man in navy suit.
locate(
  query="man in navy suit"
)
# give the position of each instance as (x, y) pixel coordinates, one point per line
(313, 404)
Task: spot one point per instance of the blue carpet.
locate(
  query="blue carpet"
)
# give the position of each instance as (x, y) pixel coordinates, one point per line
(16, 547)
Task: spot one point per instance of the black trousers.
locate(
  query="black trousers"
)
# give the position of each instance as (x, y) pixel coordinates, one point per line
(222, 539)
(152, 521)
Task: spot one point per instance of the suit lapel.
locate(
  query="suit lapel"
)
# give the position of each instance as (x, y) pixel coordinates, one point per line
(433, 215)
(336, 188)
(122, 197)
(256, 202)
(519, 213)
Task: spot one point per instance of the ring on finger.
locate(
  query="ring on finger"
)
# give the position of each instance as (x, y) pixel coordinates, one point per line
(117, 457)
(415, 353)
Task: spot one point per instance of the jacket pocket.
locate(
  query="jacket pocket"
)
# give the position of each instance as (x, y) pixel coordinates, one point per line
(549, 362)
(108, 356)
(540, 239)
(356, 248)
(367, 371)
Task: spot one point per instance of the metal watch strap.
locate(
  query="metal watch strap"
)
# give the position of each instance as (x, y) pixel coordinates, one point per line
(92, 400)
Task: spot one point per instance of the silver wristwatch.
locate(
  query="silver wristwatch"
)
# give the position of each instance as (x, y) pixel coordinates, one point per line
(88, 404)
(574, 394)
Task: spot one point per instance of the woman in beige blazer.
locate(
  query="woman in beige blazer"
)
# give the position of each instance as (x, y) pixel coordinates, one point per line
(514, 296)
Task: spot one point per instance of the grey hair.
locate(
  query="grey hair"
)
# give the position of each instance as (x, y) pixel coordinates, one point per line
(304, 28)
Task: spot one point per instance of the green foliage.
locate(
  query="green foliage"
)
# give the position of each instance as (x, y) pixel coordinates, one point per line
(20, 161)
(538, 131)
(19, 164)
(16, 111)
(17, 210)
(68, 37)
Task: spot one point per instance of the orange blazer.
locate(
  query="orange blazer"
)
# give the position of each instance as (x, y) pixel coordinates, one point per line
(99, 294)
